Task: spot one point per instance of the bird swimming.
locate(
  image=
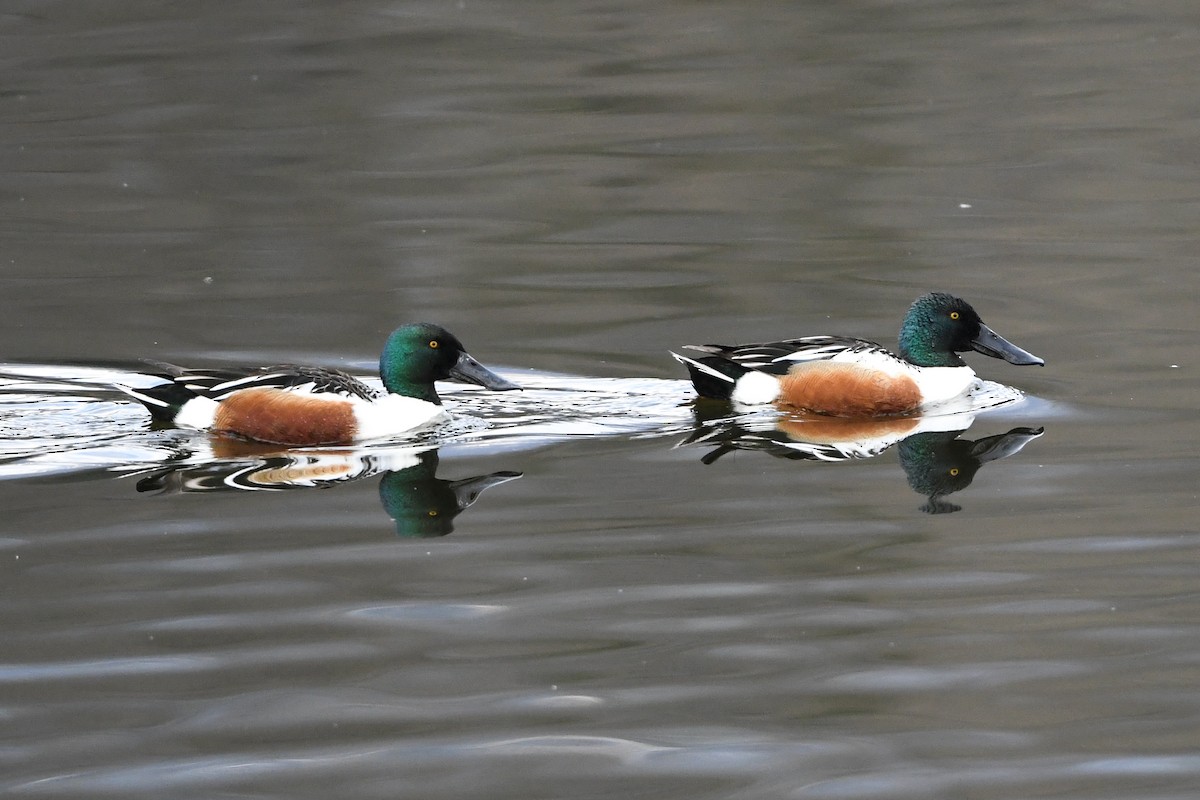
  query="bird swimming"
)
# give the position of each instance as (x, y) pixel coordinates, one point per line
(847, 377)
(300, 405)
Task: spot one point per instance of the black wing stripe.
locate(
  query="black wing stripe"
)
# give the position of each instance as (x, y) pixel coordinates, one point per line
(217, 384)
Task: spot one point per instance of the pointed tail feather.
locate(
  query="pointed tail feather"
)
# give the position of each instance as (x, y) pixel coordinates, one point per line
(163, 401)
(713, 376)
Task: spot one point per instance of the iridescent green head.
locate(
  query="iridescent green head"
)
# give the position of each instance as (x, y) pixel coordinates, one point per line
(939, 326)
(417, 355)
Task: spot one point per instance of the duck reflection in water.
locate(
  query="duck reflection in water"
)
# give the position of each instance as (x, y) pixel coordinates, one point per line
(424, 506)
(935, 460)
(420, 504)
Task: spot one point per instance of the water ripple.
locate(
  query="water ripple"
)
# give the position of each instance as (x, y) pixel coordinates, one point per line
(64, 419)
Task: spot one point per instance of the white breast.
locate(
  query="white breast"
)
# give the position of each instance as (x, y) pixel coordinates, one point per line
(939, 384)
(395, 414)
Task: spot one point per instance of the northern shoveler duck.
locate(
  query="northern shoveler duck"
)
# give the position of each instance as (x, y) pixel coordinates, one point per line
(846, 377)
(294, 405)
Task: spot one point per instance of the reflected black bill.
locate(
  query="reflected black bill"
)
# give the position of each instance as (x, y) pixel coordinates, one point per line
(1003, 445)
(993, 344)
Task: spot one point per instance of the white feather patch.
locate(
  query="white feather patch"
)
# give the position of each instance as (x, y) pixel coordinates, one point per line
(198, 413)
(395, 414)
(939, 384)
(755, 388)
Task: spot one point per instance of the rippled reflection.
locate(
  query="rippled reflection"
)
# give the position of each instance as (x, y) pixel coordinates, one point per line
(935, 460)
(56, 419)
(938, 463)
(419, 503)
(60, 419)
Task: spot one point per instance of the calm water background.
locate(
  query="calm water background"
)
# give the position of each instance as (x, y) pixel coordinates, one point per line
(575, 188)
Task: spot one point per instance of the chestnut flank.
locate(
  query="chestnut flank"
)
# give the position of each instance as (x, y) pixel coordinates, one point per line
(847, 390)
(281, 417)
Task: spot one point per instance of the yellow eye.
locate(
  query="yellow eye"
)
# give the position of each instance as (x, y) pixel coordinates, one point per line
(433, 343)
(953, 471)
(953, 315)
(432, 512)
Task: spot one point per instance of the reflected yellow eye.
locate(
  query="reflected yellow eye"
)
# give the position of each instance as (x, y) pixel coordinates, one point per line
(434, 344)
(953, 471)
(953, 315)
(433, 512)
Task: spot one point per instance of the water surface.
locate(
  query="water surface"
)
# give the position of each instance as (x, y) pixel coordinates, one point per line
(661, 604)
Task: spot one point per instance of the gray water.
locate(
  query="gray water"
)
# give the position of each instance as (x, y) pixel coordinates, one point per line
(574, 189)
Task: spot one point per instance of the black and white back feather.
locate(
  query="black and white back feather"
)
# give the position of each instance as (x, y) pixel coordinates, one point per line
(776, 358)
(716, 374)
(218, 384)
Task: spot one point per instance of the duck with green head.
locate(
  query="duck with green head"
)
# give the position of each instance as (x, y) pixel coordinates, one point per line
(848, 377)
(299, 405)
